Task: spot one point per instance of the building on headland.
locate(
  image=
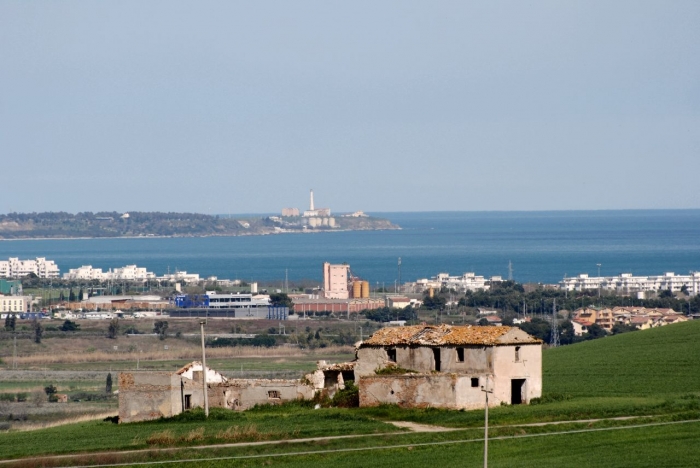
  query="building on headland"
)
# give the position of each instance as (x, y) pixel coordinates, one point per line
(126, 273)
(626, 283)
(463, 283)
(314, 212)
(290, 212)
(16, 268)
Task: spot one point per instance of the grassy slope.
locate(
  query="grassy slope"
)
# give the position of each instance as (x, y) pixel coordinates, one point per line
(636, 373)
(659, 361)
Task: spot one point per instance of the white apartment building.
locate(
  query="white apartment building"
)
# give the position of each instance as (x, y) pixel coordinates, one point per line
(466, 282)
(126, 273)
(626, 283)
(181, 276)
(16, 268)
(85, 272)
(14, 305)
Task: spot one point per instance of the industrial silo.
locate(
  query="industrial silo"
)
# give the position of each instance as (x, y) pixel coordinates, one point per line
(356, 289)
(365, 289)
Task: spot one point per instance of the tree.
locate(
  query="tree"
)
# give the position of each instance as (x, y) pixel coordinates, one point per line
(69, 326)
(434, 303)
(71, 296)
(38, 398)
(38, 331)
(113, 329)
(281, 300)
(595, 331)
(7, 322)
(50, 389)
(108, 383)
(13, 322)
(160, 328)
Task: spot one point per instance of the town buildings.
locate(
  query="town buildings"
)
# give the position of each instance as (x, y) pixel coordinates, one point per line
(638, 317)
(126, 273)
(628, 284)
(335, 281)
(463, 283)
(16, 268)
(14, 305)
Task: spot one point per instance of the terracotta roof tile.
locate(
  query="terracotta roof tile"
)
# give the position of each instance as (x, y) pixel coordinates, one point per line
(432, 335)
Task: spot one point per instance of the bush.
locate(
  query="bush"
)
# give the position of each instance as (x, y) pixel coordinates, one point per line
(550, 398)
(349, 397)
(394, 370)
(87, 396)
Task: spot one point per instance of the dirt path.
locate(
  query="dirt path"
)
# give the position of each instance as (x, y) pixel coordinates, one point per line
(414, 427)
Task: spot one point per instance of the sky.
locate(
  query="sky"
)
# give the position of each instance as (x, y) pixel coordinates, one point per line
(242, 107)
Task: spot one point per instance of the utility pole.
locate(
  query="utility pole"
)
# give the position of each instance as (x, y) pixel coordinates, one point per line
(399, 272)
(600, 283)
(204, 371)
(485, 389)
(510, 270)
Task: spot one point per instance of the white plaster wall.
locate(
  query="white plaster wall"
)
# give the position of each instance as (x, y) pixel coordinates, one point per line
(528, 367)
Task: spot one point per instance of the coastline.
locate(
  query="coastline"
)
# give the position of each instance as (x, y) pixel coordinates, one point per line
(306, 231)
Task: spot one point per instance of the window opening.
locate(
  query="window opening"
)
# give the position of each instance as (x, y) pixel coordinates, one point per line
(460, 354)
(391, 352)
(188, 401)
(517, 354)
(436, 356)
(273, 394)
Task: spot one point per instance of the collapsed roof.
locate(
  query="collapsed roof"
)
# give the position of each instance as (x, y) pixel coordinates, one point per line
(448, 335)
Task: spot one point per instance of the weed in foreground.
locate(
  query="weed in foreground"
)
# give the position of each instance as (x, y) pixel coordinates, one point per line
(161, 438)
(241, 433)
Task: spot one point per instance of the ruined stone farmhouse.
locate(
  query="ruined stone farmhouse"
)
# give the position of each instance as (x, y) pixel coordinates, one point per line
(432, 366)
(450, 366)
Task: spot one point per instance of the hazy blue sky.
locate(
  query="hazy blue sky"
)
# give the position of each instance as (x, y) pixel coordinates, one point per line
(231, 107)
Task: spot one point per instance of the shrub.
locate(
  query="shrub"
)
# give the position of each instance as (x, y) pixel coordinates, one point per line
(550, 398)
(349, 397)
(161, 438)
(394, 370)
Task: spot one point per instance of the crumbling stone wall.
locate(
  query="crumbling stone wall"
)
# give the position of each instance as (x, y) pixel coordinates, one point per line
(451, 391)
(148, 395)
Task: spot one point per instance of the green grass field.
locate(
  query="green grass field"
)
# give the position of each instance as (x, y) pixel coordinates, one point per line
(658, 361)
(653, 375)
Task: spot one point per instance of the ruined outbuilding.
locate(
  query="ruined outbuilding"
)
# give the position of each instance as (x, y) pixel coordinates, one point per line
(416, 366)
(447, 366)
(152, 395)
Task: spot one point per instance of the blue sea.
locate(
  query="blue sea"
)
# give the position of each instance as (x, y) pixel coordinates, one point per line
(542, 247)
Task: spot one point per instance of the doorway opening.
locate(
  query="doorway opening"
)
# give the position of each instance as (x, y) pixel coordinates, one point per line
(517, 391)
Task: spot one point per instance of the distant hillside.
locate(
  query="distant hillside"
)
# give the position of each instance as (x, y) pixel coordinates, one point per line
(113, 224)
(657, 361)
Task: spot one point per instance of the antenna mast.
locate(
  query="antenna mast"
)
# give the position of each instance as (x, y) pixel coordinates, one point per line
(554, 334)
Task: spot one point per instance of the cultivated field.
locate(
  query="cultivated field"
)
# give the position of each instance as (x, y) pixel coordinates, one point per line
(627, 400)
